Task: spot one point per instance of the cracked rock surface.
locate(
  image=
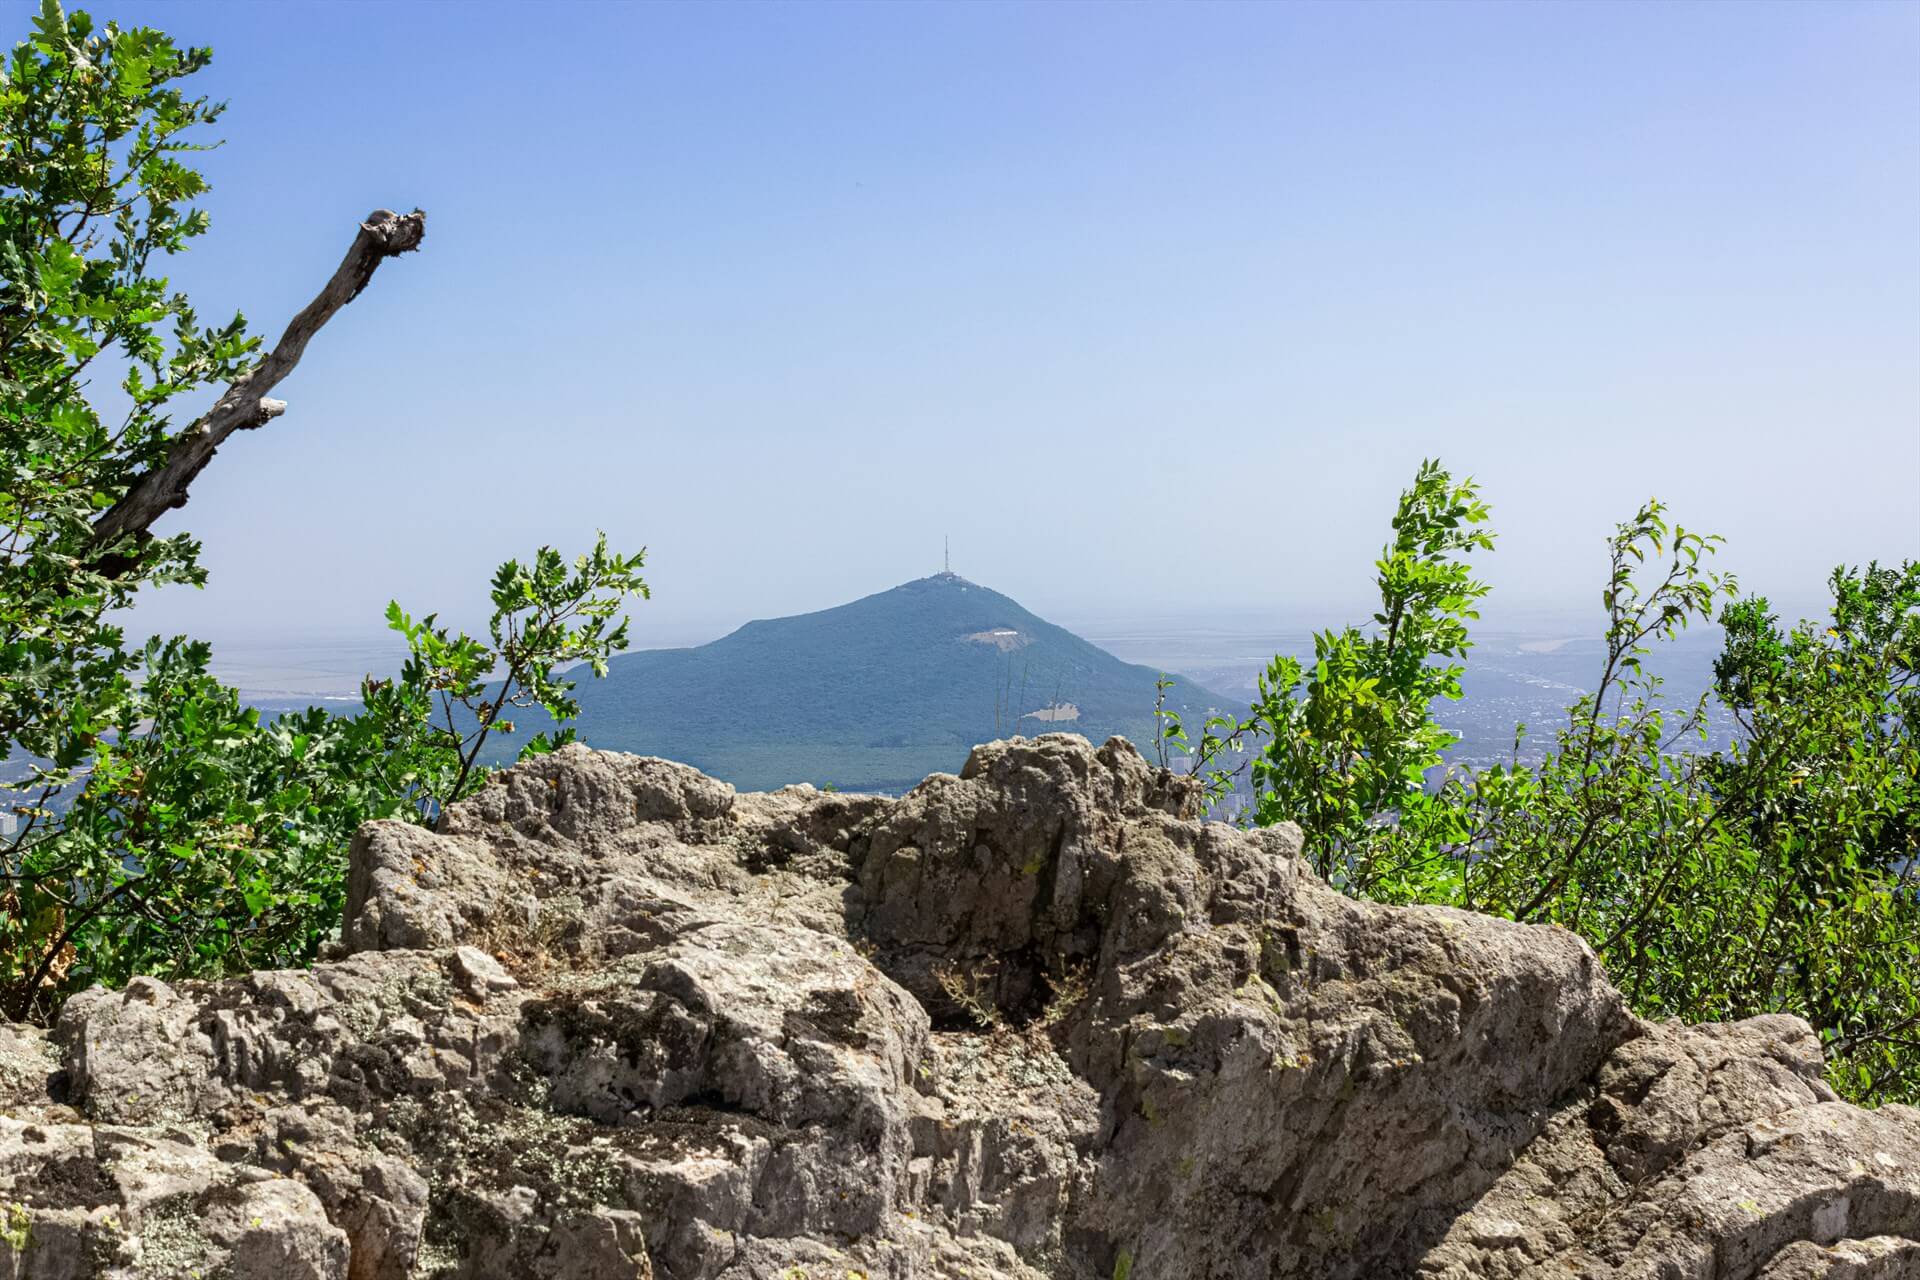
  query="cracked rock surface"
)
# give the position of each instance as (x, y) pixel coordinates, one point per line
(616, 1021)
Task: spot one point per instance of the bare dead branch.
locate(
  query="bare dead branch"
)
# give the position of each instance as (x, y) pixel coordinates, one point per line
(245, 405)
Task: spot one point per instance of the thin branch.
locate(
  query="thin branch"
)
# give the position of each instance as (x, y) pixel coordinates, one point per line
(245, 405)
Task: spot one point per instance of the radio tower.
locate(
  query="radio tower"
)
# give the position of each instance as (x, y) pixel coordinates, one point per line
(946, 554)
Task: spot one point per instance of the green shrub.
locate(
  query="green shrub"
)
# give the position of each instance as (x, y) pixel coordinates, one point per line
(163, 827)
(1775, 875)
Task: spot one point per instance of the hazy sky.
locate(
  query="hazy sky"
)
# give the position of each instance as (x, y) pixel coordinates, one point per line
(1152, 308)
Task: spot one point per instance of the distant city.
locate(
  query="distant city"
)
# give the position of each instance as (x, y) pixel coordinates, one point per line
(1512, 677)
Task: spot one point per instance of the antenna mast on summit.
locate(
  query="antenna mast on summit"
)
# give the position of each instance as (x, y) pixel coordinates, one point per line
(946, 554)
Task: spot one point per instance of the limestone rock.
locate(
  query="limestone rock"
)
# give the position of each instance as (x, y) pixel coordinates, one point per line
(120, 1203)
(614, 1020)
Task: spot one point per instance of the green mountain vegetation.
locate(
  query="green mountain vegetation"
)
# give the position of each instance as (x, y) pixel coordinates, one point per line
(875, 694)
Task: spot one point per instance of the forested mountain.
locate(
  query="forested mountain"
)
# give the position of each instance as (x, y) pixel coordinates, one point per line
(874, 694)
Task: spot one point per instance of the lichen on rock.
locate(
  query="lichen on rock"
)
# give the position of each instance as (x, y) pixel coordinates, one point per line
(615, 1020)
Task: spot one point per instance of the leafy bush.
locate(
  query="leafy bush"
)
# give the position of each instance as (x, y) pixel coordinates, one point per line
(1352, 738)
(1776, 875)
(163, 827)
(544, 617)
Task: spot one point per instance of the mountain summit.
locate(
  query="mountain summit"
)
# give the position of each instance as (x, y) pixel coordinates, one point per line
(871, 695)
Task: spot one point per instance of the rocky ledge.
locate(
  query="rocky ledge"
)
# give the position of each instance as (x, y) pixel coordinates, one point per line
(615, 1020)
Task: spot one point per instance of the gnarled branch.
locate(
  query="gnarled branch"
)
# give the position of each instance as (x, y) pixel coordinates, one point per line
(245, 405)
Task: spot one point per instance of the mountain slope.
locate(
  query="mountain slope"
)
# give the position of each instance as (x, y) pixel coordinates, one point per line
(872, 695)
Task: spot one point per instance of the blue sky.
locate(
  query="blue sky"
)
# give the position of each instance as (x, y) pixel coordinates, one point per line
(1152, 308)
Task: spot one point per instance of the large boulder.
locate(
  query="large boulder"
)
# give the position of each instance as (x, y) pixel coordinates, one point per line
(615, 1020)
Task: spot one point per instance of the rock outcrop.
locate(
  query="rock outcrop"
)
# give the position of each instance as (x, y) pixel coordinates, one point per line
(614, 1020)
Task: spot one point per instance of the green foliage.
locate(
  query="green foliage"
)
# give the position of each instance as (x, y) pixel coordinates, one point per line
(90, 190)
(1776, 875)
(1613, 813)
(1350, 740)
(1346, 743)
(1824, 790)
(544, 618)
(163, 827)
(200, 841)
